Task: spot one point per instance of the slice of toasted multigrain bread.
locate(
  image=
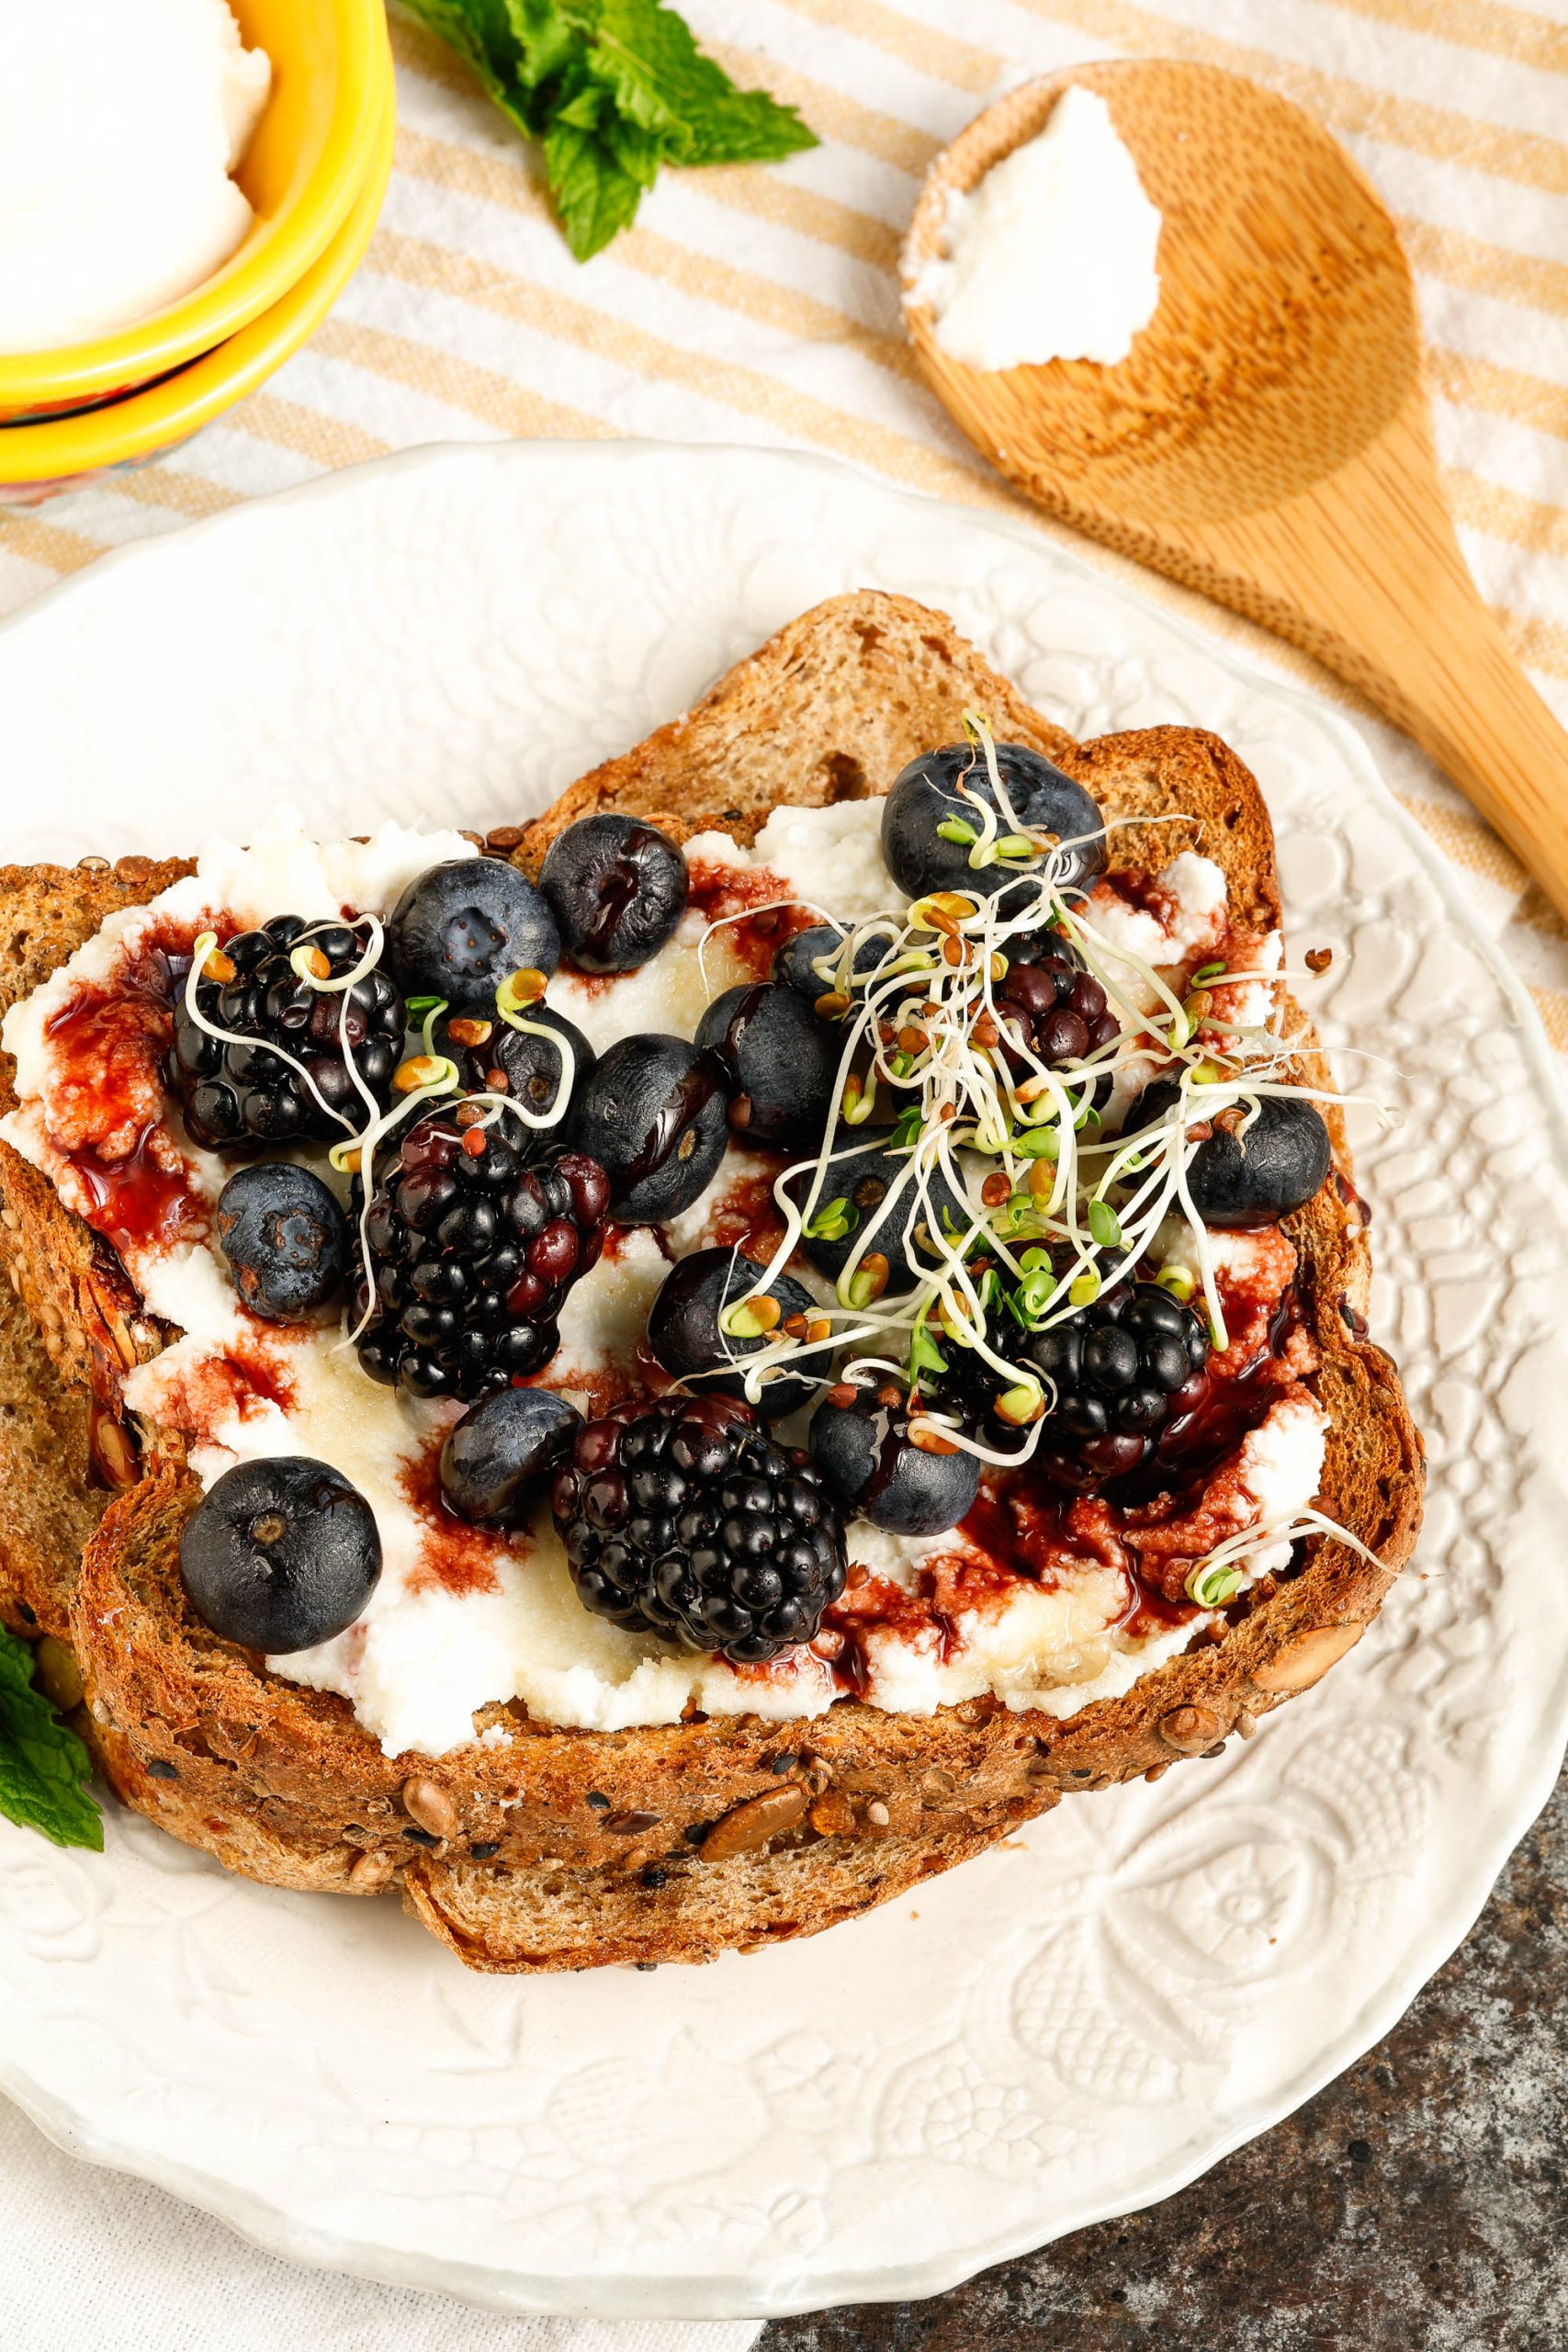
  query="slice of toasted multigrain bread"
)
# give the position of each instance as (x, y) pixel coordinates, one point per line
(550, 1847)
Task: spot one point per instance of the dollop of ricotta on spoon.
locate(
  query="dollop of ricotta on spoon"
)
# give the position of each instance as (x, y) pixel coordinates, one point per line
(1052, 256)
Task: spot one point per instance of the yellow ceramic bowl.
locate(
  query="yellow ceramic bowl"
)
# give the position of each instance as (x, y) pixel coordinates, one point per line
(304, 169)
(41, 459)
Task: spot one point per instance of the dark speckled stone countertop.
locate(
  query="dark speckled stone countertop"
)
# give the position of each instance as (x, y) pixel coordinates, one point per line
(1419, 2204)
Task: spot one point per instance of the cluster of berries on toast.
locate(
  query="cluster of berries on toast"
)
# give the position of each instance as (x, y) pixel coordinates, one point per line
(975, 1283)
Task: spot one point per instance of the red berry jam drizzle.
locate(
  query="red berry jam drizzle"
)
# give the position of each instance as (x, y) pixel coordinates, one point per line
(1141, 892)
(720, 892)
(950, 1585)
(137, 1201)
(746, 1215)
(235, 1384)
(454, 1555)
(107, 1047)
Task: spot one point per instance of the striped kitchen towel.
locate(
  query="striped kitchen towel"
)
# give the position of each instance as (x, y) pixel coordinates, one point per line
(753, 304)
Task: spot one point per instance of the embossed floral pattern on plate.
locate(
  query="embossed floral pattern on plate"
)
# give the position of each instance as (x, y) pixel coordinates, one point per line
(1083, 2020)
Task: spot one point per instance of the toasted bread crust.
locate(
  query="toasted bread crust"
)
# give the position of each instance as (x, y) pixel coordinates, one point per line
(498, 1849)
(828, 709)
(51, 1504)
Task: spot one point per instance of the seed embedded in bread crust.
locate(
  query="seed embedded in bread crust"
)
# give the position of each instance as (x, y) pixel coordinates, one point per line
(431, 1807)
(369, 1873)
(753, 1822)
(1301, 1662)
(1190, 1729)
(833, 1814)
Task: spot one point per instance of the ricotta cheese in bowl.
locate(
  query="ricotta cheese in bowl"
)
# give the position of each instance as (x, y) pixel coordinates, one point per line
(121, 125)
(1042, 1603)
(1052, 256)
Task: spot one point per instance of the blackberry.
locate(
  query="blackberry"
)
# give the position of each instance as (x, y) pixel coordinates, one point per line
(682, 1518)
(235, 1095)
(472, 1256)
(1046, 1000)
(1122, 1371)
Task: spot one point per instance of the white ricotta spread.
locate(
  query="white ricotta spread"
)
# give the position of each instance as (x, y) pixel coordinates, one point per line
(121, 124)
(1281, 1466)
(830, 857)
(1190, 919)
(1052, 255)
(1187, 923)
(424, 1657)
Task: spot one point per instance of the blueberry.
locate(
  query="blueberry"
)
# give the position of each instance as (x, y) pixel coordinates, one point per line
(782, 1062)
(926, 795)
(617, 887)
(866, 1452)
(794, 964)
(282, 1553)
(1253, 1178)
(683, 1331)
(498, 1456)
(654, 1113)
(285, 1238)
(530, 1065)
(459, 930)
(860, 1175)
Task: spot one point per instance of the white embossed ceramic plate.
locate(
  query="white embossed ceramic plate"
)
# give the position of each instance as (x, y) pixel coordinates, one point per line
(1070, 2027)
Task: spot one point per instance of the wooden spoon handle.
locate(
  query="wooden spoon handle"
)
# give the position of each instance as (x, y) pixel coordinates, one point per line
(1469, 704)
(1364, 570)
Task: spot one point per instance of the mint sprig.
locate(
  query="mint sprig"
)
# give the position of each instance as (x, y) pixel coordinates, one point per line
(611, 89)
(43, 1765)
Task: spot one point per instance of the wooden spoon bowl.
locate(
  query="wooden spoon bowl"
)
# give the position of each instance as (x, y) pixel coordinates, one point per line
(1268, 438)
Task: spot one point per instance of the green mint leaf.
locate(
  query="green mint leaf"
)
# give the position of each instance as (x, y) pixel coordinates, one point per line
(585, 110)
(482, 33)
(595, 197)
(613, 88)
(581, 104)
(549, 37)
(42, 1763)
(637, 153)
(664, 84)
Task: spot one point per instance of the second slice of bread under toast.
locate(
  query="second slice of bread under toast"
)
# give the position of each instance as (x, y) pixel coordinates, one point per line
(565, 1849)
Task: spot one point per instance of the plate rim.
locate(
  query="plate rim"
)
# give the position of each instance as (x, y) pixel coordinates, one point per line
(268, 2225)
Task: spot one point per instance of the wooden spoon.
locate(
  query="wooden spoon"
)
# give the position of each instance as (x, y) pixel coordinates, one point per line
(1268, 439)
